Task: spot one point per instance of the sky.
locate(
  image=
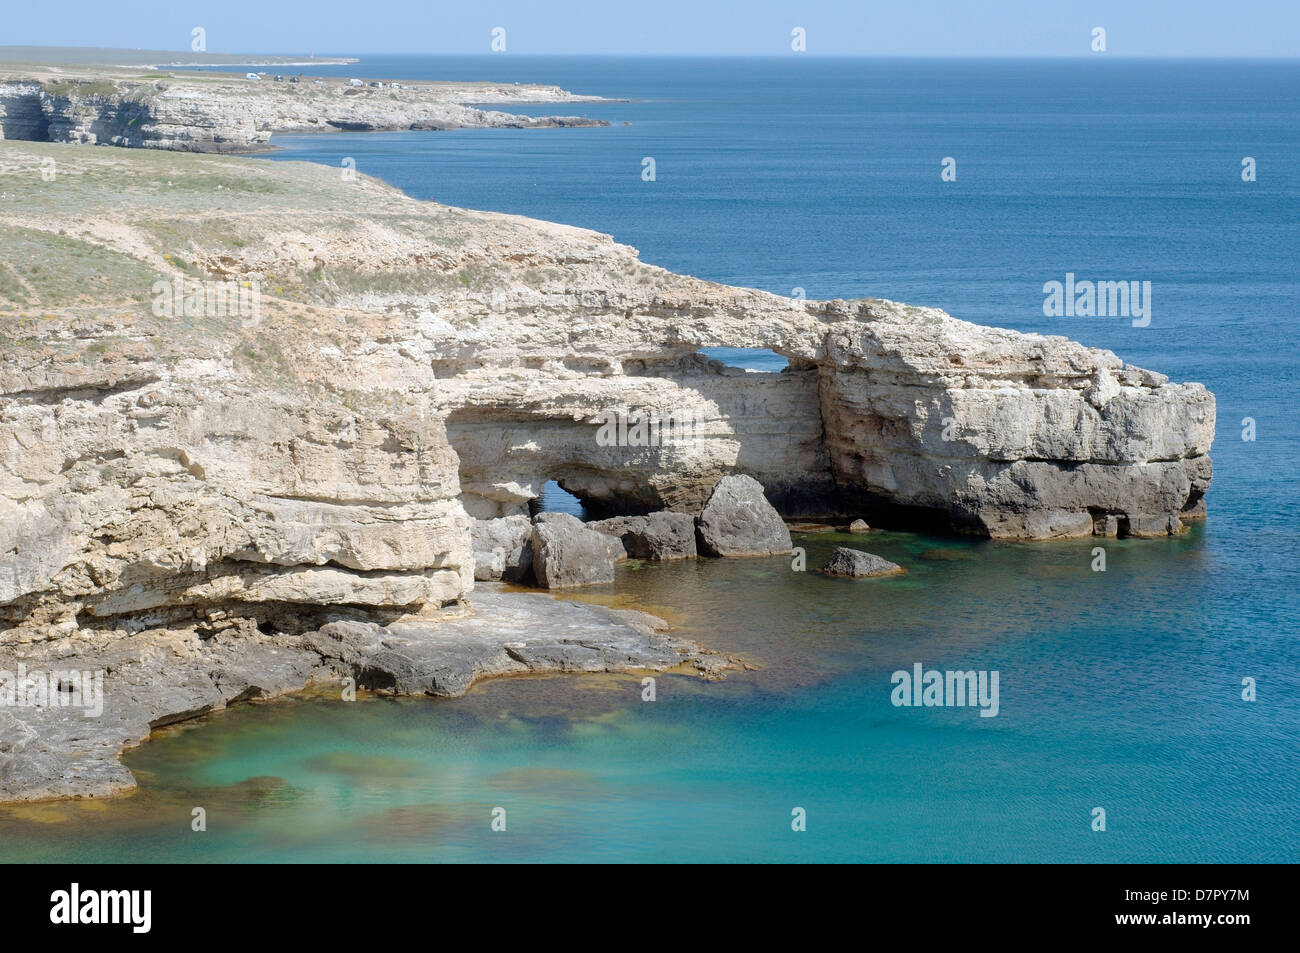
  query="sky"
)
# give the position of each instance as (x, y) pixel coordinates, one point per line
(1215, 28)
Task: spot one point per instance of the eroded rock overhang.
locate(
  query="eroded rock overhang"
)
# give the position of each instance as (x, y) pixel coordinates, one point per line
(904, 415)
(413, 365)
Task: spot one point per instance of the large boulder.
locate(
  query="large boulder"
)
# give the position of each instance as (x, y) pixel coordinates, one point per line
(566, 553)
(557, 516)
(858, 564)
(739, 521)
(659, 536)
(503, 548)
(568, 519)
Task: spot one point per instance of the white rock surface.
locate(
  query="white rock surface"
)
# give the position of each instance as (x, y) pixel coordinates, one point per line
(217, 112)
(415, 365)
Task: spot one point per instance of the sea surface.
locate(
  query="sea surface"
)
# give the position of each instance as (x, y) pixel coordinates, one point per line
(1120, 690)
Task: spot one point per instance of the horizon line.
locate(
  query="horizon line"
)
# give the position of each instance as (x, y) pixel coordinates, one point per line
(675, 55)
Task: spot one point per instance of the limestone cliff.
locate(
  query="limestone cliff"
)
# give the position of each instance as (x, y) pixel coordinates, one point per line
(217, 112)
(412, 365)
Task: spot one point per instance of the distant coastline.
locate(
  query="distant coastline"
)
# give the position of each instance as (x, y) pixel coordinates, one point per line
(179, 64)
(154, 59)
(224, 111)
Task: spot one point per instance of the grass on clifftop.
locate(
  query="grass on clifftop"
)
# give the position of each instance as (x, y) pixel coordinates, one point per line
(43, 270)
(92, 238)
(73, 87)
(303, 228)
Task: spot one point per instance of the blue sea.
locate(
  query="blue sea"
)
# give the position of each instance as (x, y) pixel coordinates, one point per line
(1120, 690)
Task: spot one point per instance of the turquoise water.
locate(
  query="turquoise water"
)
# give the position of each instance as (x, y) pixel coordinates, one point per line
(1119, 689)
(1140, 717)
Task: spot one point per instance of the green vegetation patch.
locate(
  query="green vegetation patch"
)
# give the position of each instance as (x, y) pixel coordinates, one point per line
(41, 269)
(79, 88)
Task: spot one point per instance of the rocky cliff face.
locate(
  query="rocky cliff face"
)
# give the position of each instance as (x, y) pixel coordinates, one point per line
(218, 113)
(1010, 435)
(21, 113)
(411, 366)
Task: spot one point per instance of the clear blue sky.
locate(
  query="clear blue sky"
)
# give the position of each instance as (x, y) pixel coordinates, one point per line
(707, 27)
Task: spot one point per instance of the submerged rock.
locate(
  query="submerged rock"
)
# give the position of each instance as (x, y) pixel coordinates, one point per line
(508, 633)
(859, 564)
(739, 521)
(659, 536)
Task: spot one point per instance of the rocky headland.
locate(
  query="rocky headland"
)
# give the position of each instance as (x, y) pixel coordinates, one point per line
(229, 112)
(219, 502)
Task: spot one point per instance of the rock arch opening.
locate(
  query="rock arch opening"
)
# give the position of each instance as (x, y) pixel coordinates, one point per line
(754, 360)
(657, 436)
(556, 499)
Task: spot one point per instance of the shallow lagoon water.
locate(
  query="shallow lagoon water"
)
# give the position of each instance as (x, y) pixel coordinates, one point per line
(1115, 691)
(1119, 690)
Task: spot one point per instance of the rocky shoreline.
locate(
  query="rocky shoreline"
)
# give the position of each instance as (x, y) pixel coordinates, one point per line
(78, 702)
(233, 113)
(262, 426)
(162, 676)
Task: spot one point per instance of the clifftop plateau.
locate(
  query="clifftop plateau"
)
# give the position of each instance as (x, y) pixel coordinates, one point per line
(228, 112)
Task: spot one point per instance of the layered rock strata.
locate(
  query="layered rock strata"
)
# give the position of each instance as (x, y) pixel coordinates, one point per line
(413, 365)
(407, 367)
(213, 112)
